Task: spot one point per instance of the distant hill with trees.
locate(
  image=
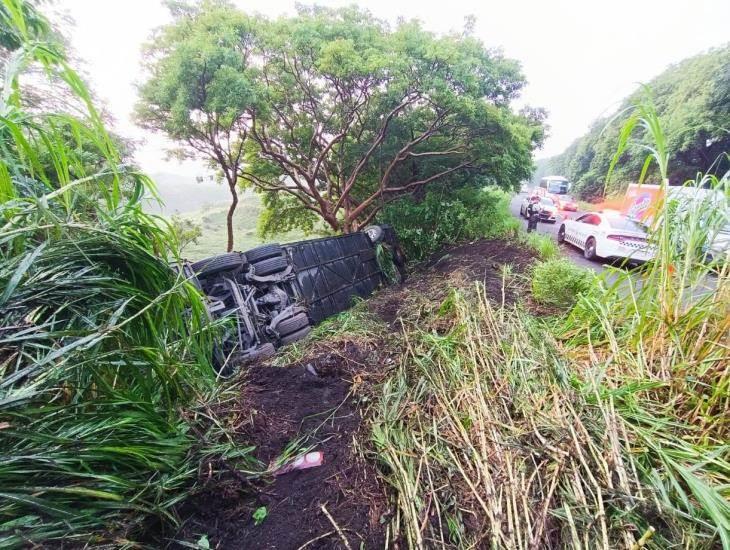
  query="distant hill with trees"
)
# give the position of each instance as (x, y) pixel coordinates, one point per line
(692, 99)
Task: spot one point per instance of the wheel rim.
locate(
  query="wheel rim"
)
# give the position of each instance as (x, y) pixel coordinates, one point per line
(375, 233)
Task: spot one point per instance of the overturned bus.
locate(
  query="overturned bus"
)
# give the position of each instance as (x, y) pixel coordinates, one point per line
(274, 294)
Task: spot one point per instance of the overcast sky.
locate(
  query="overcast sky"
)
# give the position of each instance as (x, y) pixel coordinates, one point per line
(580, 57)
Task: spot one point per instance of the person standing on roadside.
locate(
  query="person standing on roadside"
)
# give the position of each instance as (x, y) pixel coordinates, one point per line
(533, 213)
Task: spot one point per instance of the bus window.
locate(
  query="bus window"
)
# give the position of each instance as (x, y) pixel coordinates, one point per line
(555, 185)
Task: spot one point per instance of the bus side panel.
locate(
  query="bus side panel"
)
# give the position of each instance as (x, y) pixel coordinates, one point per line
(333, 272)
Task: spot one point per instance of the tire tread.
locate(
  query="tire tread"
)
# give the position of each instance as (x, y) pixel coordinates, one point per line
(292, 324)
(264, 252)
(270, 266)
(295, 336)
(216, 264)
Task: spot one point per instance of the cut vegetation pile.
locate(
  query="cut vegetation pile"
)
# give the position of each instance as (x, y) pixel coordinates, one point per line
(488, 443)
(495, 433)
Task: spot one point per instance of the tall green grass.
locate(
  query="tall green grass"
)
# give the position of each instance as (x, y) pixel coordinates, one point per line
(104, 351)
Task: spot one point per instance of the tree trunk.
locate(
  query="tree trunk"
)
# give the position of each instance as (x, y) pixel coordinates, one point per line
(229, 217)
(347, 222)
(331, 220)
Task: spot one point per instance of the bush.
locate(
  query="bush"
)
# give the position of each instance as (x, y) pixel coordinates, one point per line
(559, 282)
(446, 216)
(544, 245)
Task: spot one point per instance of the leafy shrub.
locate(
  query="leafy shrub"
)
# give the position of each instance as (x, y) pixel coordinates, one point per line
(544, 245)
(446, 216)
(559, 282)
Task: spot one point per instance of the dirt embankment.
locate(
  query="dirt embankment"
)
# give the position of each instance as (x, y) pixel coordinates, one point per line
(309, 405)
(320, 403)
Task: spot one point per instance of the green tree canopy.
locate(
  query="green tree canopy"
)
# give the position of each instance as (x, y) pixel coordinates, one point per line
(692, 99)
(357, 114)
(337, 113)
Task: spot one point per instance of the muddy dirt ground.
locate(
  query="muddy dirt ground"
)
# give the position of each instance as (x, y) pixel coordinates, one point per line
(320, 403)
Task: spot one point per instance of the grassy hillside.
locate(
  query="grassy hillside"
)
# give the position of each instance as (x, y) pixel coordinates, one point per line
(205, 203)
(212, 221)
(181, 194)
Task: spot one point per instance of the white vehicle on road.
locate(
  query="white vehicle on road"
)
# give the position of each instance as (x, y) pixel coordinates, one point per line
(607, 235)
(719, 246)
(548, 210)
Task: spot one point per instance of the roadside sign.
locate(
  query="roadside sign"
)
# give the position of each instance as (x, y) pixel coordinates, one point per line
(641, 201)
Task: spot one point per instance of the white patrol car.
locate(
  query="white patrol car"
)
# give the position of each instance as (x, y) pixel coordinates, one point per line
(607, 235)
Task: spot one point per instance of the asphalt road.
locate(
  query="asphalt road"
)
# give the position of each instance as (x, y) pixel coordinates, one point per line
(551, 229)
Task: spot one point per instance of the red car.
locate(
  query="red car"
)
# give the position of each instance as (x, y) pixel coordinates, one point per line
(562, 201)
(565, 202)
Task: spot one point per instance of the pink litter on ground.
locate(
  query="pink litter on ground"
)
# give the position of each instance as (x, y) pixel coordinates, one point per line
(302, 462)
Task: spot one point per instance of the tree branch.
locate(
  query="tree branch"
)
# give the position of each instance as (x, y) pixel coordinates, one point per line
(408, 100)
(407, 187)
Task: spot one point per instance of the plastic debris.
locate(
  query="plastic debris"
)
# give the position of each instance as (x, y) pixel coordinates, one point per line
(302, 462)
(311, 370)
